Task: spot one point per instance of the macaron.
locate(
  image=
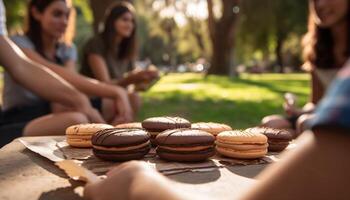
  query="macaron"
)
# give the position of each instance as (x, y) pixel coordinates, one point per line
(278, 139)
(185, 145)
(211, 127)
(80, 135)
(241, 144)
(156, 125)
(120, 144)
(130, 125)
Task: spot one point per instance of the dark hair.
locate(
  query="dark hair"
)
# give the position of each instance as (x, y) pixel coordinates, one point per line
(128, 46)
(318, 45)
(34, 29)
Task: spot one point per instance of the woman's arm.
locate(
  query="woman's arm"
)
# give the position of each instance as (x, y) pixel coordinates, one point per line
(91, 87)
(317, 90)
(70, 65)
(315, 170)
(22, 70)
(99, 67)
(100, 70)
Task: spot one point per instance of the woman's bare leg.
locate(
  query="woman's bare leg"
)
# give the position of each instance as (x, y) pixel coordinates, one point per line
(53, 124)
(110, 113)
(136, 102)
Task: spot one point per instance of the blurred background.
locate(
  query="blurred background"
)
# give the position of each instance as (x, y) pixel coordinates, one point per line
(227, 60)
(184, 35)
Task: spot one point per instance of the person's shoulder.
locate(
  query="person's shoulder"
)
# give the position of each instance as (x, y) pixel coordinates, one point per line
(67, 47)
(22, 41)
(67, 51)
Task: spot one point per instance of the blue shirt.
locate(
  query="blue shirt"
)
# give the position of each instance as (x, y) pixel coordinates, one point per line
(334, 109)
(3, 30)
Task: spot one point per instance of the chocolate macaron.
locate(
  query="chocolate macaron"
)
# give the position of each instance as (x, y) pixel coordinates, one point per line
(211, 127)
(80, 135)
(185, 145)
(278, 139)
(241, 144)
(156, 125)
(120, 144)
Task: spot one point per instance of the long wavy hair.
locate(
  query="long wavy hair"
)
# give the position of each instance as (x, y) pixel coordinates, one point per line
(127, 49)
(33, 27)
(318, 44)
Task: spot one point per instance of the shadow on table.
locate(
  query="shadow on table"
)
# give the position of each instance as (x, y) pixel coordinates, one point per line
(44, 163)
(248, 171)
(62, 193)
(197, 177)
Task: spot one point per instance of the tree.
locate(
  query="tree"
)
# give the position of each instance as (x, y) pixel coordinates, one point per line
(267, 27)
(221, 30)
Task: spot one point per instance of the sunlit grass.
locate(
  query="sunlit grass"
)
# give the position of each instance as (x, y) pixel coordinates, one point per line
(240, 102)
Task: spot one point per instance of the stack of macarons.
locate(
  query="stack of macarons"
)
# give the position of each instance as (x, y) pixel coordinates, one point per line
(80, 135)
(121, 144)
(241, 144)
(278, 139)
(185, 145)
(156, 125)
(177, 140)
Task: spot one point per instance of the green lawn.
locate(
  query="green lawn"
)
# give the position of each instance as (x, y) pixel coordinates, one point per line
(240, 102)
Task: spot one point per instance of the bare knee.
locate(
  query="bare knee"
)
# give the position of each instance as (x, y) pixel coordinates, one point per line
(136, 100)
(136, 103)
(53, 124)
(77, 118)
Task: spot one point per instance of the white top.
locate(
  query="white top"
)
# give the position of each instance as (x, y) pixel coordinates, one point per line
(326, 76)
(3, 30)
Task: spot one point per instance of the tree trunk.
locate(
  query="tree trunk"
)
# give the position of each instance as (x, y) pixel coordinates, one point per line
(98, 10)
(221, 56)
(222, 36)
(279, 57)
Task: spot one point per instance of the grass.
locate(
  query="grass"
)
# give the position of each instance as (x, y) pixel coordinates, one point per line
(240, 102)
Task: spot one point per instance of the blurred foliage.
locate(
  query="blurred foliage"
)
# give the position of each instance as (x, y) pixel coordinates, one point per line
(260, 25)
(263, 22)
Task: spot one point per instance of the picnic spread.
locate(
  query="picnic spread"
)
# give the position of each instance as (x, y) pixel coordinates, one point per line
(204, 152)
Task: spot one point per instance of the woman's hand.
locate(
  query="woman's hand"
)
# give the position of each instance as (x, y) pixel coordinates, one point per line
(143, 76)
(82, 104)
(131, 180)
(292, 110)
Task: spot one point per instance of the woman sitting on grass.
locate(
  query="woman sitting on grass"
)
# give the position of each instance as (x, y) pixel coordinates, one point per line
(110, 55)
(326, 48)
(43, 42)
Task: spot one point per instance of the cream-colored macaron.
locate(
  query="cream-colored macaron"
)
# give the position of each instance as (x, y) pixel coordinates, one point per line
(130, 125)
(211, 127)
(241, 144)
(80, 135)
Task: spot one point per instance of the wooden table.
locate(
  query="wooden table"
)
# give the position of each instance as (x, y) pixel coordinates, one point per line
(26, 175)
